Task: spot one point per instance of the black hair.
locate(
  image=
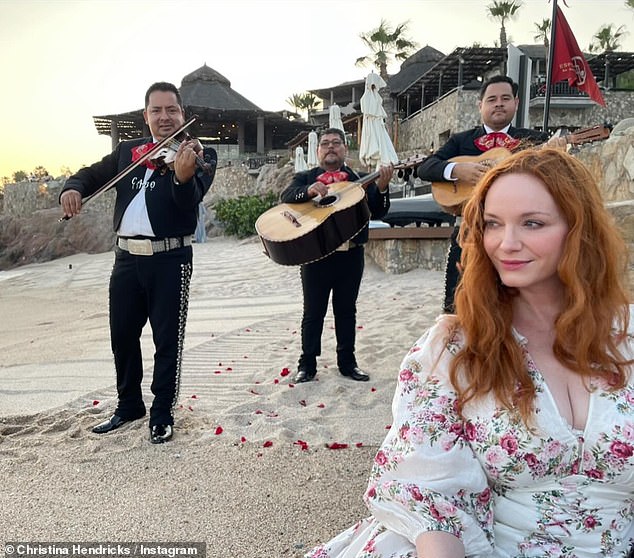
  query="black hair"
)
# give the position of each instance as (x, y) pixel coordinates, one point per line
(333, 131)
(163, 86)
(498, 79)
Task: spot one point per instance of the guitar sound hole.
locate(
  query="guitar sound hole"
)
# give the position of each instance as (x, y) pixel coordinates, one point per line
(328, 200)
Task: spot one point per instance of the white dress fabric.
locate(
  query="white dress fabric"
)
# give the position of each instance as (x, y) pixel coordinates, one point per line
(503, 490)
(375, 147)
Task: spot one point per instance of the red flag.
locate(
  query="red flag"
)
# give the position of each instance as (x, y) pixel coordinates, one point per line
(569, 62)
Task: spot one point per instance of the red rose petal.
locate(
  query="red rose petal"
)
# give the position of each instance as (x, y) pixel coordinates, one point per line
(243, 439)
(218, 430)
(267, 444)
(336, 446)
(359, 444)
(276, 381)
(373, 389)
(301, 444)
(321, 406)
(253, 392)
(194, 396)
(285, 372)
(95, 402)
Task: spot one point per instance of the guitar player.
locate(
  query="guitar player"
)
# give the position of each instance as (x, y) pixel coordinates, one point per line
(497, 105)
(341, 271)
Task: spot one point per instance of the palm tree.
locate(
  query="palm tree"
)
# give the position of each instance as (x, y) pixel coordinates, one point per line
(543, 32)
(503, 11)
(303, 101)
(543, 35)
(295, 100)
(607, 39)
(386, 44)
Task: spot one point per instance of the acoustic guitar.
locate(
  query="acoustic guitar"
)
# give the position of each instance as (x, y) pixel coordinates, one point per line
(300, 233)
(451, 196)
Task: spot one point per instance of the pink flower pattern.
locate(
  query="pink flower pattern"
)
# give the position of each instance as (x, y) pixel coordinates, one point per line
(553, 489)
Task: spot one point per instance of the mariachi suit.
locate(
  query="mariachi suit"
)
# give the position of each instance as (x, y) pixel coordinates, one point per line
(154, 287)
(340, 272)
(432, 169)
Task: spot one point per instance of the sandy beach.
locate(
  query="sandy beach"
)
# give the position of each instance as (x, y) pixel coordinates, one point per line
(250, 470)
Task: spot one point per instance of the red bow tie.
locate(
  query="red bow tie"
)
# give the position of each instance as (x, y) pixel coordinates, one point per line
(139, 151)
(496, 139)
(330, 177)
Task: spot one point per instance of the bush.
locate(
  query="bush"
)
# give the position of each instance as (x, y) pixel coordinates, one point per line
(239, 215)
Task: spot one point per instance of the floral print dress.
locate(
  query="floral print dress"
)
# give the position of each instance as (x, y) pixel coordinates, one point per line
(503, 490)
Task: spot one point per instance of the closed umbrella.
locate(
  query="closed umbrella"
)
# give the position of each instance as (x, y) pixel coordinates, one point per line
(300, 162)
(375, 147)
(312, 150)
(334, 118)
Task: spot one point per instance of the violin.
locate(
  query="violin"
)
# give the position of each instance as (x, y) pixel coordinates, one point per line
(164, 158)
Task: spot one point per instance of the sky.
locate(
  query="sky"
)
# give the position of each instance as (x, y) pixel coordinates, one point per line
(64, 61)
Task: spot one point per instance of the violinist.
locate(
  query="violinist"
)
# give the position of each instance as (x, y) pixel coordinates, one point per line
(154, 217)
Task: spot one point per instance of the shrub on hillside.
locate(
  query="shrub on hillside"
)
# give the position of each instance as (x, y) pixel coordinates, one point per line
(238, 215)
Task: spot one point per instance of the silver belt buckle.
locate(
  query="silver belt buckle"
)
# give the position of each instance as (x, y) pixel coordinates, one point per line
(140, 246)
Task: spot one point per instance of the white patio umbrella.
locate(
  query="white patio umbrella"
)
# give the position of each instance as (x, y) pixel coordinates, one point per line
(334, 118)
(300, 162)
(375, 147)
(312, 150)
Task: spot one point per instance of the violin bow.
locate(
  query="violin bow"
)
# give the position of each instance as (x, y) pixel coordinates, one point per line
(133, 165)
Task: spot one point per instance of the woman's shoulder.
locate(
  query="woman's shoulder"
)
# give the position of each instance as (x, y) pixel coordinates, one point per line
(442, 340)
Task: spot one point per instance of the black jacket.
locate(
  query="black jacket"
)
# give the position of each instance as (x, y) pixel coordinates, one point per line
(172, 208)
(378, 203)
(462, 143)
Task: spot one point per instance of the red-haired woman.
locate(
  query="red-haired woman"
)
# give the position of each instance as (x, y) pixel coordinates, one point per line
(513, 431)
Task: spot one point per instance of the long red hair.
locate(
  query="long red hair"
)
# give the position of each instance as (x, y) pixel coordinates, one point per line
(593, 269)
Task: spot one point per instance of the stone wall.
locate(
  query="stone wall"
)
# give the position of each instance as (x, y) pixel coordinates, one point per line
(402, 255)
(612, 162)
(620, 105)
(428, 129)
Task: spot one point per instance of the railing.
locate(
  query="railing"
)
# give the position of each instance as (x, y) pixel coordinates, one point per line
(254, 163)
(559, 89)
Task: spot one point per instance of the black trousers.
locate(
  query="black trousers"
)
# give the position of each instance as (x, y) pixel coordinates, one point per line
(452, 271)
(156, 288)
(339, 273)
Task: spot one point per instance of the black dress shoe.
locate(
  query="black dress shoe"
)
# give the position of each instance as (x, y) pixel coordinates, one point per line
(356, 374)
(114, 422)
(160, 433)
(304, 375)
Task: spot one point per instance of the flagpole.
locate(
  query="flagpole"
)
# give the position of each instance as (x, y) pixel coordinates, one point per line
(549, 69)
